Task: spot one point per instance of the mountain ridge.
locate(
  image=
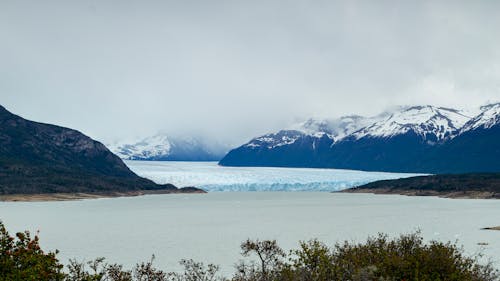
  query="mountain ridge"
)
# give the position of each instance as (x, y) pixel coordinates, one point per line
(420, 139)
(44, 158)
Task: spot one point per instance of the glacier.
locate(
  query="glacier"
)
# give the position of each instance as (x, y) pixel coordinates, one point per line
(212, 177)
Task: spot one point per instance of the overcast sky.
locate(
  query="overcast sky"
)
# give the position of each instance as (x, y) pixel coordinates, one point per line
(236, 69)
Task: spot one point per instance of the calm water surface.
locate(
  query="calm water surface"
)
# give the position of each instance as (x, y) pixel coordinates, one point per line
(210, 227)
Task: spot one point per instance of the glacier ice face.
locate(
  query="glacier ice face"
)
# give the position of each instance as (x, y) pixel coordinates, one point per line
(211, 177)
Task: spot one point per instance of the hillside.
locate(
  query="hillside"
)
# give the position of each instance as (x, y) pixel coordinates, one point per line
(42, 158)
(417, 139)
(454, 186)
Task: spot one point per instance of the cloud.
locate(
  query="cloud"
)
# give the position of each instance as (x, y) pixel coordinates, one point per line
(237, 69)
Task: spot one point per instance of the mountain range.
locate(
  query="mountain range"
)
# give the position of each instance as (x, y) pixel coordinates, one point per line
(165, 147)
(419, 139)
(40, 158)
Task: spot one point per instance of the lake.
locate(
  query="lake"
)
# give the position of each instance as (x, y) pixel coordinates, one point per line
(210, 227)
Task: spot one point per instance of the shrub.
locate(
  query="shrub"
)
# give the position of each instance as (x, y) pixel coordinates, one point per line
(380, 258)
(21, 258)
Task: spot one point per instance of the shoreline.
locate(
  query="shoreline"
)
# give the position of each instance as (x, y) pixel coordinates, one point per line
(49, 197)
(491, 228)
(406, 192)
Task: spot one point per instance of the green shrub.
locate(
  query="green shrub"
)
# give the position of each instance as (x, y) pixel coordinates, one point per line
(21, 258)
(380, 258)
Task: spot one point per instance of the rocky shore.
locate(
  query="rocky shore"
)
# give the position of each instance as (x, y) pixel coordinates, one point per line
(443, 194)
(475, 186)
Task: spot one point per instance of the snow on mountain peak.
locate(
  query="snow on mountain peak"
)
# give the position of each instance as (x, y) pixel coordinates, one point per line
(171, 147)
(272, 140)
(335, 128)
(346, 125)
(429, 122)
(149, 147)
(313, 127)
(489, 117)
(433, 124)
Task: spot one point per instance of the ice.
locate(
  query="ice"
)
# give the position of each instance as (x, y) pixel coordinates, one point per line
(211, 177)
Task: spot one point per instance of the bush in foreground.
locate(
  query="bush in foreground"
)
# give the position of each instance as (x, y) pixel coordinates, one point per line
(379, 258)
(21, 258)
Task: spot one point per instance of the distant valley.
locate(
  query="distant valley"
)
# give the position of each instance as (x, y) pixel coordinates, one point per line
(165, 147)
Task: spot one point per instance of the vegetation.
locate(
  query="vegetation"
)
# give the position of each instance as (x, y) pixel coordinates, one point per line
(485, 185)
(38, 158)
(21, 258)
(379, 258)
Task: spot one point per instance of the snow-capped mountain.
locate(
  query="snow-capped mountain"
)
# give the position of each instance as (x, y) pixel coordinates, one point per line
(162, 147)
(147, 148)
(432, 124)
(336, 129)
(408, 139)
(300, 145)
(272, 140)
(489, 117)
(313, 128)
(333, 129)
(477, 146)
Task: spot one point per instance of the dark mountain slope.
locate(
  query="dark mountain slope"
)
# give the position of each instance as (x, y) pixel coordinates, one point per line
(471, 151)
(44, 158)
(419, 139)
(300, 151)
(399, 153)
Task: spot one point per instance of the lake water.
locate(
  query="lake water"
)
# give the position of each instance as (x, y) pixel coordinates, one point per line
(210, 227)
(211, 177)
